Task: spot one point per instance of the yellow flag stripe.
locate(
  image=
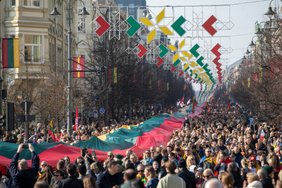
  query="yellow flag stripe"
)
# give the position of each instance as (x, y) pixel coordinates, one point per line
(16, 46)
(78, 64)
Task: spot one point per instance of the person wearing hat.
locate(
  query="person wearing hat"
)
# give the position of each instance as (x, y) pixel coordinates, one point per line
(186, 175)
(253, 166)
(118, 158)
(199, 176)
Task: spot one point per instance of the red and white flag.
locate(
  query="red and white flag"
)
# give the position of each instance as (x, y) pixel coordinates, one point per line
(262, 134)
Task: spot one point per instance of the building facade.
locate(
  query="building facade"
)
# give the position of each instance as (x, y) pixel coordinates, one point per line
(43, 48)
(134, 8)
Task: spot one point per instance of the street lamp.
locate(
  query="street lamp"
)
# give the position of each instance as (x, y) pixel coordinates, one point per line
(252, 44)
(83, 12)
(55, 12)
(258, 32)
(270, 13)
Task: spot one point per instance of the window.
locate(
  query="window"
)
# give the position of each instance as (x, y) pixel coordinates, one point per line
(13, 3)
(32, 3)
(32, 48)
(59, 56)
(81, 23)
(131, 10)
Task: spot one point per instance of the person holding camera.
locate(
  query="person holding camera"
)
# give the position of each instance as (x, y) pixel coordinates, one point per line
(21, 175)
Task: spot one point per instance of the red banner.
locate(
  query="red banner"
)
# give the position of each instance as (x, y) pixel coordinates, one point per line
(78, 66)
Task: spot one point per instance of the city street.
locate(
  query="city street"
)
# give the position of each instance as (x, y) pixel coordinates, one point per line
(141, 94)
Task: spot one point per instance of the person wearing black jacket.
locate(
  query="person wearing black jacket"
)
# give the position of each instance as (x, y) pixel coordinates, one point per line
(235, 172)
(264, 178)
(21, 176)
(71, 181)
(111, 178)
(186, 175)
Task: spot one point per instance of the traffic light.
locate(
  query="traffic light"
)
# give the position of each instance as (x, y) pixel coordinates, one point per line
(2, 121)
(4, 93)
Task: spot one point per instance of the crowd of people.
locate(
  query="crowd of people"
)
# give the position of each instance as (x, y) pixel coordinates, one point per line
(219, 149)
(39, 133)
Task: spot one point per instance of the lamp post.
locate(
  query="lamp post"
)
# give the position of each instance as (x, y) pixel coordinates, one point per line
(69, 83)
(270, 13)
(69, 88)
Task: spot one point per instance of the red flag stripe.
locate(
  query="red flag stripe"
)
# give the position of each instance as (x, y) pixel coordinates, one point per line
(5, 52)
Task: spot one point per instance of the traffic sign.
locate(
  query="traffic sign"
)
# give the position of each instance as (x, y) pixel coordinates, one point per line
(102, 110)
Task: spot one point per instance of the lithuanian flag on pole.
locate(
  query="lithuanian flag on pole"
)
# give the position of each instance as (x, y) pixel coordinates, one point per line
(10, 53)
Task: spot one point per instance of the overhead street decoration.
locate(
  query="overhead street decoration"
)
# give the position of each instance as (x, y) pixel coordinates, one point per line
(151, 37)
(208, 25)
(142, 51)
(152, 34)
(134, 26)
(177, 26)
(160, 61)
(163, 50)
(215, 49)
(104, 26)
(194, 49)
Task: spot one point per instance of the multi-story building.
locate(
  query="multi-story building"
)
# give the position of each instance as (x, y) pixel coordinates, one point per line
(42, 38)
(43, 43)
(135, 8)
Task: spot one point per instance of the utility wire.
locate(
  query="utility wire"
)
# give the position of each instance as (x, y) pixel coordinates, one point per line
(212, 5)
(184, 6)
(248, 2)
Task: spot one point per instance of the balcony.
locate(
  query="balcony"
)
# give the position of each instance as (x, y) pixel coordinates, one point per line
(32, 71)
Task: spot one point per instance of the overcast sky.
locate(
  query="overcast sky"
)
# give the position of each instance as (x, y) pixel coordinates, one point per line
(243, 13)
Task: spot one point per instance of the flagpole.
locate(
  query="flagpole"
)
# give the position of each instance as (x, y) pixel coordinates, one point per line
(1, 79)
(69, 88)
(1, 82)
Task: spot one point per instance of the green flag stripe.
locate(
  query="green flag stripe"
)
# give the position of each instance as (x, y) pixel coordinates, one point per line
(11, 53)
